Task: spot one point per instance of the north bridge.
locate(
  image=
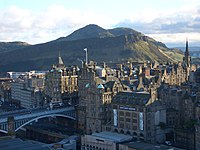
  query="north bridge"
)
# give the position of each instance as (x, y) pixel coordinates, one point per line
(13, 121)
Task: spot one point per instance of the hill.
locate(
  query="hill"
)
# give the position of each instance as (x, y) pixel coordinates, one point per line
(113, 45)
(10, 46)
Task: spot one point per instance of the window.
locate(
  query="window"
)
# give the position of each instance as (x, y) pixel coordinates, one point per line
(134, 120)
(134, 127)
(121, 119)
(121, 125)
(128, 114)
(121, 113)
(128, 119)
(128, 126)
(134, 115)
(134, 134)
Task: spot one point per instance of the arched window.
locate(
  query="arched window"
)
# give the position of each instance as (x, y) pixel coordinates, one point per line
(141, 135)
(122, 131)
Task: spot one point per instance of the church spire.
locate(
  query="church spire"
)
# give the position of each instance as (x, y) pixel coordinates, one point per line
(186, 48)
(187, 54)
(187, 60)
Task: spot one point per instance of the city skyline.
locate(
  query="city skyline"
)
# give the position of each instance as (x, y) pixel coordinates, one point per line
(170, 22)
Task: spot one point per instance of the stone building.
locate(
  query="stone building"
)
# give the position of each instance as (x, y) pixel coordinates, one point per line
(95, 95)
(137, 115)
(59, 81)
(5, 89)
(185, 138)
(197, 118)
(176, 74)
(197, 136)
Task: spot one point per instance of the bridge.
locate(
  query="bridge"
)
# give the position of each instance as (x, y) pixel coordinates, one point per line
(13, 121)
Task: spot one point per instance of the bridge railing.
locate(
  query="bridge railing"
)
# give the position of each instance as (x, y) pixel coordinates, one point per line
(31, 115)
(36, 114)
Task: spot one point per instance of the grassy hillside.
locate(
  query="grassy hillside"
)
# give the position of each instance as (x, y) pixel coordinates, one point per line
(113, 45)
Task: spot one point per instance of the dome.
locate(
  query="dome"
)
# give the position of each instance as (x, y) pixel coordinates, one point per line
(100, 86)
(60, 70)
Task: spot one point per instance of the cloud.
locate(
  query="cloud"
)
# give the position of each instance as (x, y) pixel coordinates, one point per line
(169, 27)
(177, 39)
(36, 27)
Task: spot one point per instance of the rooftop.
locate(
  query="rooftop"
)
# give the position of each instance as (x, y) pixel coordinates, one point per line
(16, 143)
(131, 98)
(147, 146)
(115, 137)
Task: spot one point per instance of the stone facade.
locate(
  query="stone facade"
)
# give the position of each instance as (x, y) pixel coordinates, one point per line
(60, 80)
(175, 74)
(5, 89)
(95, 95)
(136, 115)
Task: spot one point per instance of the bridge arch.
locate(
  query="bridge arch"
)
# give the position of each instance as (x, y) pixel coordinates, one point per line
(40, 117)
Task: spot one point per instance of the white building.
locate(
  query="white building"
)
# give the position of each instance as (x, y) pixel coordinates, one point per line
(29, 97)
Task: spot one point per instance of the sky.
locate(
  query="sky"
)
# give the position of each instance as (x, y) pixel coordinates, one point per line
(39, 21)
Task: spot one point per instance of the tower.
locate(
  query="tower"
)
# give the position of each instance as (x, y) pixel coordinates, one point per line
(140, 76)
(11, 124)
(187, 57)
(187, 60)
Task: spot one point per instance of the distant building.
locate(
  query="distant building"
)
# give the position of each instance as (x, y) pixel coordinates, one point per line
(28, 97)
(60, 80)
(27, 90)
(5, 89)
(177, 74)
(15, 75)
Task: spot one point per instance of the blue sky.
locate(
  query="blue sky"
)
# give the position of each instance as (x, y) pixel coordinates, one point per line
(38, 21)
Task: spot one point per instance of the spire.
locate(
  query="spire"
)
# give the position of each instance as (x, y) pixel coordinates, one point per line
(187, 54)
(187, 60)
(60, 61)
(186, 48)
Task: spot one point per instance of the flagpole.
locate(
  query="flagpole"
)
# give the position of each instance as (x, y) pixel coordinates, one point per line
(86, 55)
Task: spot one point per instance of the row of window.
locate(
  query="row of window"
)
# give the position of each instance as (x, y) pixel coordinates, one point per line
(122, 113)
